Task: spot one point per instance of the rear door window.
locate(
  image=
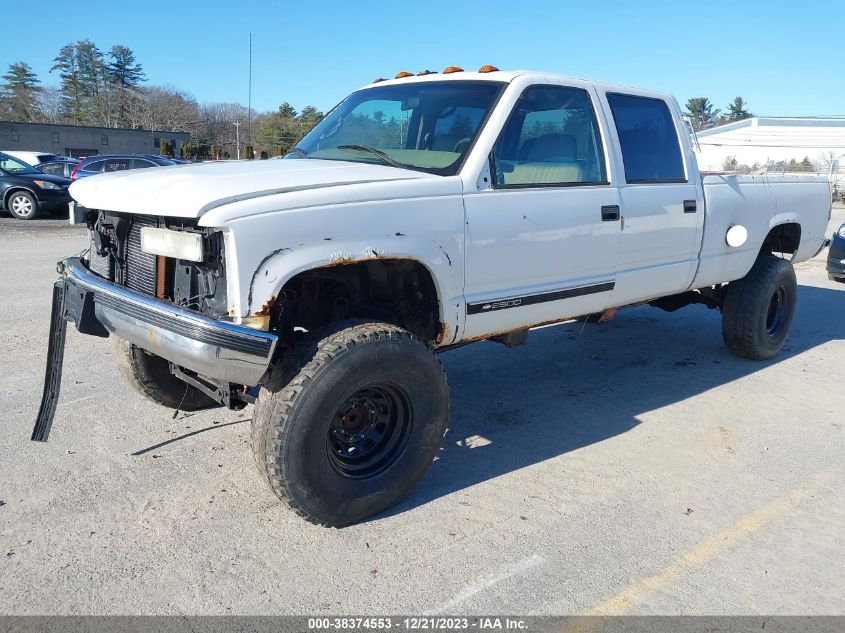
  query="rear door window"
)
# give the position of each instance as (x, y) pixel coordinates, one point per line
(140, 163)
(56, 169)
(117, 164)
(94, 167)
(651, 151)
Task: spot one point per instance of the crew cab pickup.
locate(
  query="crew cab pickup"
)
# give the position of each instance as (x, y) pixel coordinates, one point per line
(423, 213)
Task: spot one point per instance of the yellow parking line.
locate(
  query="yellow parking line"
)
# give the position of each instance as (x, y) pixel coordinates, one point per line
(709, 549)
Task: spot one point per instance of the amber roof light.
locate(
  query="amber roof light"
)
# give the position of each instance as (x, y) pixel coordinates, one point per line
(425, 72)
(403, 73)
(452, 69)
(487, 69)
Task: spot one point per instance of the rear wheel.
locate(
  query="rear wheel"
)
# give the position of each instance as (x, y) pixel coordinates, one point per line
(150, 376)
(22, 205)
(759, 309)
(355, 419)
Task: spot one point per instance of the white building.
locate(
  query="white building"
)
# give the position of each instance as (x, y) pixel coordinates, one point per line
(764, 140)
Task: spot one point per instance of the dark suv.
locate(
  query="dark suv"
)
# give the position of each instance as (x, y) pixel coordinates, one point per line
(836, 256)
(25, 191)
(103, 164)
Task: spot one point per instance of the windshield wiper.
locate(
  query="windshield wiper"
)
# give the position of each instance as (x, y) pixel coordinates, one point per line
(365, 148)
(298, 151)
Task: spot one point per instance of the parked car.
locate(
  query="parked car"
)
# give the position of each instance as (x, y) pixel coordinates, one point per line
(25, 192)
(61, 167)
(31, 158)
(100, 164)
(836, 256)
(319, 288)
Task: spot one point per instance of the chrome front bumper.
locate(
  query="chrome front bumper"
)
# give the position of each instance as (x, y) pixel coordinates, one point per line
(209, 347)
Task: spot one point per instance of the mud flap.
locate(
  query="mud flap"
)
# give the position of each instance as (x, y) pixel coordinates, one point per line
(53, 373)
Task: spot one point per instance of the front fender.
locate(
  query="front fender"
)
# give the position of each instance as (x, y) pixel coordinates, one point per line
(280, 265)
(265, 250)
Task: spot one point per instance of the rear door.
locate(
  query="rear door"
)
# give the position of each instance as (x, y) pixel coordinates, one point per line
(662, 203)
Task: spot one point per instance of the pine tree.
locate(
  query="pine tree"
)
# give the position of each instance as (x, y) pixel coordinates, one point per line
(736, 110)
(73, 97)
(19, 94)
(287, 111)
(124, 76)
(702, 113)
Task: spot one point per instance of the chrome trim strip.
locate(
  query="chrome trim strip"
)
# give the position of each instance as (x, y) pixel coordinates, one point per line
(210, 347)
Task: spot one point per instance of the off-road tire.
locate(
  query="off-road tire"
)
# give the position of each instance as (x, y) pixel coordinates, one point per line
(300, 415)
(150, 376)
(24, 204)
(759, 309)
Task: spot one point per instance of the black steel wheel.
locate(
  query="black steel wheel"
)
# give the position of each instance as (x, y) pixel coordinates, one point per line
(759, 309)
(369, 431)
(351, 421)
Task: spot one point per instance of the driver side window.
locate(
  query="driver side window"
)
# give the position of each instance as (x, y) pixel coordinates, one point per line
(550, 139)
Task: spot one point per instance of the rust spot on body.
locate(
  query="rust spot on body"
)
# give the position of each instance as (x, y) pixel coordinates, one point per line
(444, 332)
(268, 305)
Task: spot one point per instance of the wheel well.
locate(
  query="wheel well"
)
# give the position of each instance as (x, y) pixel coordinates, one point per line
(398, 291)
(10, 191)
(783, 239)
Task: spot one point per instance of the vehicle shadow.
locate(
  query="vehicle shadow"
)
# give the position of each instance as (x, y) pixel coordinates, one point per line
(567, 389)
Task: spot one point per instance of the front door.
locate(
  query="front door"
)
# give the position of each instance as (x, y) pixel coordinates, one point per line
(541, 243)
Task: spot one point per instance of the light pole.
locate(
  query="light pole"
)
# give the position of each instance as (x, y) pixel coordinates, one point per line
(237, 125)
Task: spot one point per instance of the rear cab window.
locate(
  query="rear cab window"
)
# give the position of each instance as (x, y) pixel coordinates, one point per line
(651, 150)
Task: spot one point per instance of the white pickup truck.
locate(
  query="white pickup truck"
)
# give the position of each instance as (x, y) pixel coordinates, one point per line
(423, 213)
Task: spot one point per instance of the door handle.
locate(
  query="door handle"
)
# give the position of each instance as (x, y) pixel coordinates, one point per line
(610, 213)
(690, 206)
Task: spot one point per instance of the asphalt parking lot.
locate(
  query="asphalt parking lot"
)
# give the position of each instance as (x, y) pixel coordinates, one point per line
(630, 467)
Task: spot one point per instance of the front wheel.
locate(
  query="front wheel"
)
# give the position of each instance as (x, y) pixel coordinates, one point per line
(759, 309)
(150, 376)
(356, 423)
(22, 205)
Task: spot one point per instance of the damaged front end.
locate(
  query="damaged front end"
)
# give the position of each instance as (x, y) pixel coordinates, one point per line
(171, 307)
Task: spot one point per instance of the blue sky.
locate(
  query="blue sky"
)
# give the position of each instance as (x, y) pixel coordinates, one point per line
(782, 57)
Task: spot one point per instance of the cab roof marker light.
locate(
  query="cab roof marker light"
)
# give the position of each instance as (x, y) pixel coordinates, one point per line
(452, 69)
(378, 79)
(487, 68)
(403, 73)
(425, 72)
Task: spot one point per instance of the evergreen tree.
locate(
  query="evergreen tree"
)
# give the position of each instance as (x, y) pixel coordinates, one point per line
(702, 113)
(737, 110)
(124, 76)
(287, 111)
(72, 94)
(19, 94)
(165, 148)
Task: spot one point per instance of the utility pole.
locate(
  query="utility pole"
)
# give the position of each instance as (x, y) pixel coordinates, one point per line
(237, 125)
(249, 98)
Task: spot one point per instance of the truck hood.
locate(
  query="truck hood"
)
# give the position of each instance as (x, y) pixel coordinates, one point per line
(189, 191)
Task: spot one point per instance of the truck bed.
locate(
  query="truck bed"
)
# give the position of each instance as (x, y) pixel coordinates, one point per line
(758, 203)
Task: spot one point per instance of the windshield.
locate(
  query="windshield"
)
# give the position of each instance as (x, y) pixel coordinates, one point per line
(427, 126)
(14, 166)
